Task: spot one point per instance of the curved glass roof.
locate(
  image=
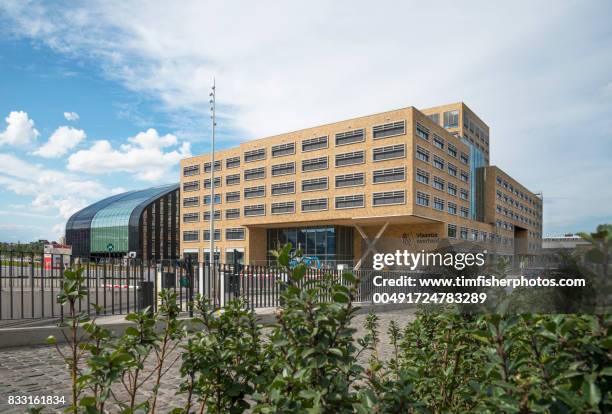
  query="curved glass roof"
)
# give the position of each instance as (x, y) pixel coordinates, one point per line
(108, 220)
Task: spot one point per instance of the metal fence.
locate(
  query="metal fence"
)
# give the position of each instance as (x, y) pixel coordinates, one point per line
(30, 283)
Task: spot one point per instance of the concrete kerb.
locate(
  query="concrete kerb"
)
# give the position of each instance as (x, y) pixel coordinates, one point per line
(37, 335)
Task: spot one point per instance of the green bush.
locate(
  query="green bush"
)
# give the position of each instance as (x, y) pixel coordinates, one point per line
(309, 360)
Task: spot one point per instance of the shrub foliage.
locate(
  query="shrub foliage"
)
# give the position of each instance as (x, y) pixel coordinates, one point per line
(309, 361)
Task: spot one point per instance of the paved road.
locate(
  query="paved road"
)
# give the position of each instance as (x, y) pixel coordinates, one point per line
(39, 371)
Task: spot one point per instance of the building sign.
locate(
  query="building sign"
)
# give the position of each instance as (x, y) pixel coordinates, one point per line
(420, 240)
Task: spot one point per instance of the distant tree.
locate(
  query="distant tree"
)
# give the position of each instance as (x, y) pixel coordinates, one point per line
(601, 247)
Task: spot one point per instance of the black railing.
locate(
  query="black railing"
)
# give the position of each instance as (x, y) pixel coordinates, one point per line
(30, 283)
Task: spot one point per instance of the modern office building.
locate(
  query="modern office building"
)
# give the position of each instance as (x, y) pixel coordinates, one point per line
(142, 221)
(414, 178)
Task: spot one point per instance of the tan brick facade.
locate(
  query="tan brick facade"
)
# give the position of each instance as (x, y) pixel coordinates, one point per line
(395, 151)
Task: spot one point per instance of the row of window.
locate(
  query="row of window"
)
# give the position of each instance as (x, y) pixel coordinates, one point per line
(322, 204)
(439, 143)
(314, 184)
(237, 233)
(313, 164)
(424, 155)
(474, 235)
(438, 183)
(515, 216)
(515, 203)
(425, 200)
(525, 197)
(450, 118)
(311, 144)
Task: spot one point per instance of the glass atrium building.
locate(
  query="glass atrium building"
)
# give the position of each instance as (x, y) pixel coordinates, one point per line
(142, 221)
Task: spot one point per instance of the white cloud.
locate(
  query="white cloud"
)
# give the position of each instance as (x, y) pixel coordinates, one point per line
(52, 191)
(143, 156)
(61, 141)
(19, 131)
(285, 66)
(71, 116)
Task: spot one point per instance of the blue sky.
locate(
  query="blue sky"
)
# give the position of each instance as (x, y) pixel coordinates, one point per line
(138, 74)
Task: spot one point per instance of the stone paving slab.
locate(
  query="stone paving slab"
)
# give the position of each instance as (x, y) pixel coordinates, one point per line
(39, 370)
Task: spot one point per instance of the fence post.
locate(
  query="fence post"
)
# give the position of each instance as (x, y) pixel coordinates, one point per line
(201, 278)
(158, 283)
(221, 288)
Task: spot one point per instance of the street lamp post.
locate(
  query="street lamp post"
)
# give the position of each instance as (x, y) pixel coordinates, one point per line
(212, 187)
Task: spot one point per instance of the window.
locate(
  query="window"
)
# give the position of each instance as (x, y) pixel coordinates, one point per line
(388, 197)
(283, 149)
(464, 233)
(314, 205)
(217, 182)
(206, 199)
(438, 183)
(452, 170)
(438, 204)
(464, 158)
(191, 236)
(452, 208)
(191, 201)
(422, 132)
(313, 144)
(191, 217)
(191, 186)
(422, 199)
(314, 164)
(232, 213)
(422, 154)
(255, 192)
(452, 189)
(350, 201)
(283, 188)
(465, 212)
(314, 184)
(234, 233)
(206, 215)
(438, 162)
(350, 180)
(217, 235)
(452, 231)
(283, 208)
(255, 155)
(350, 137)
(422, 176)
(233, 179)
(451, 119)
(233, 162)
(389, 175)
(191, 170)
(255, 210)
(350, 158)
(254, 173)
(435, 118)
(452, 150)
(217, 166)
(232, 196)
(283, 169)
(463, 194)
(389, 130)
(465, 176)
(438, 142)
(388, 153)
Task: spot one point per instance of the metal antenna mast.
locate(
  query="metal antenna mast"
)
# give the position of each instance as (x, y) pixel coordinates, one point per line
(212, 180)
